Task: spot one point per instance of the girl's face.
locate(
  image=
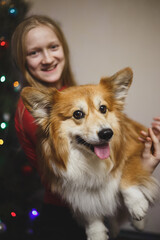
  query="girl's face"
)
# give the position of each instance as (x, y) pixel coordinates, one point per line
(45, 58)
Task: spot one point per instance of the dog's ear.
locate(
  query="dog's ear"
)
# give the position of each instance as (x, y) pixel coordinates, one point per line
(119, 84)
(38, 103)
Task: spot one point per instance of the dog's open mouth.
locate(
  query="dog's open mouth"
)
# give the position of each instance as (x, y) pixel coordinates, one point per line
(102, 150)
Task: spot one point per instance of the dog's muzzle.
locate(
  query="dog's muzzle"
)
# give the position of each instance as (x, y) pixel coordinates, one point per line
(101, 148)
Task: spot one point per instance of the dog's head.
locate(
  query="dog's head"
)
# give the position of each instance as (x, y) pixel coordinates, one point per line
(84, 117)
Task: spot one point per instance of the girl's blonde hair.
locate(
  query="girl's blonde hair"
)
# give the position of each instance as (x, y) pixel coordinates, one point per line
(19, 51)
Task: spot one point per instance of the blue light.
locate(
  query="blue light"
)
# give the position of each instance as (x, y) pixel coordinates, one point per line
(13, 11)
(33, 214)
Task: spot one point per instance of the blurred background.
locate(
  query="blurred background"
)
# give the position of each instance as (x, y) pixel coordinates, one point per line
(104, 36)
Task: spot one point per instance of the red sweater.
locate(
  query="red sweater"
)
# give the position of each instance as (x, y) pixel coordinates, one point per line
(26, 131)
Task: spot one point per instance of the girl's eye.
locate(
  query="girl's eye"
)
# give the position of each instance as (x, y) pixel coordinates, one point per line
(33, 53)
(78, 114)
(103, 109)
(54, 47)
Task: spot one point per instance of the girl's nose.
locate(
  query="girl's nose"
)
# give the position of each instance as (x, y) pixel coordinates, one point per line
(47, 57)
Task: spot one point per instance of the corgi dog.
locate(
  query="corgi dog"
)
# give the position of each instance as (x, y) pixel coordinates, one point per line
(89, 152)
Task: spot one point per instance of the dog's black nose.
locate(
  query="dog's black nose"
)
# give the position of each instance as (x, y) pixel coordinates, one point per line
(105, 134)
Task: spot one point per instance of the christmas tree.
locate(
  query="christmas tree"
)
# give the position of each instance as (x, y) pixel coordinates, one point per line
(18, 180)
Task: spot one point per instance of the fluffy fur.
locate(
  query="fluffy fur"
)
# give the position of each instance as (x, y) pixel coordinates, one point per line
(88, 150)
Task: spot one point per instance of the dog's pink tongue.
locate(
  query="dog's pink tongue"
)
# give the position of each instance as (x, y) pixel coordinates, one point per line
(102, 152)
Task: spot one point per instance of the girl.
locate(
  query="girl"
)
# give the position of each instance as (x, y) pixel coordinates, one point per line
(41, 53)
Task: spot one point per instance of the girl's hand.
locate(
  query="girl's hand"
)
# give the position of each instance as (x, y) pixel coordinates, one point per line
(151, 153)
(156, 127)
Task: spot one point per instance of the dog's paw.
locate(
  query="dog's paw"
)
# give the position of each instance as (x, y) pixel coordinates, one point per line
(98, 236)
(138, 225)
(136, 203)
(97, 231)
(139, 208)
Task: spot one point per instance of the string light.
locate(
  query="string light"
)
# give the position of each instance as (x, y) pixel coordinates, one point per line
(30, 231)
(3, 227)
(16, 84)
(3, 125)
(3, 2)
(6, 117)
(13, 214)
(3, 43)
(3, 78)
(1, 142)
(33, 214)
(13, 11)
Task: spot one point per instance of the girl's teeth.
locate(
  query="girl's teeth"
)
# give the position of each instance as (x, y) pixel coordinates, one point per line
(49, 69)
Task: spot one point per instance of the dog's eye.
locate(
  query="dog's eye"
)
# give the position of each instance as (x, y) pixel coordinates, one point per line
(103, 109)
(78, 114)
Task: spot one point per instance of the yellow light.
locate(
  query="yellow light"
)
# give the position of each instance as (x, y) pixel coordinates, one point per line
(16, 84)
(1, 141)
(3, 2)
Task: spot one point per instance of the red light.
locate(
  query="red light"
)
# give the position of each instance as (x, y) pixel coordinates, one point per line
(13, 214)
(27, 170)
(3, 43)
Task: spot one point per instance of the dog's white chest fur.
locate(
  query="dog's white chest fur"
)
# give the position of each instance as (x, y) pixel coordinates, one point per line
(88, 187)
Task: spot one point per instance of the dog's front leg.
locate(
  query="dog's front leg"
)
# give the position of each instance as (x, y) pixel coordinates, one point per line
(137, 198)
(135, 201)
(96, 230)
